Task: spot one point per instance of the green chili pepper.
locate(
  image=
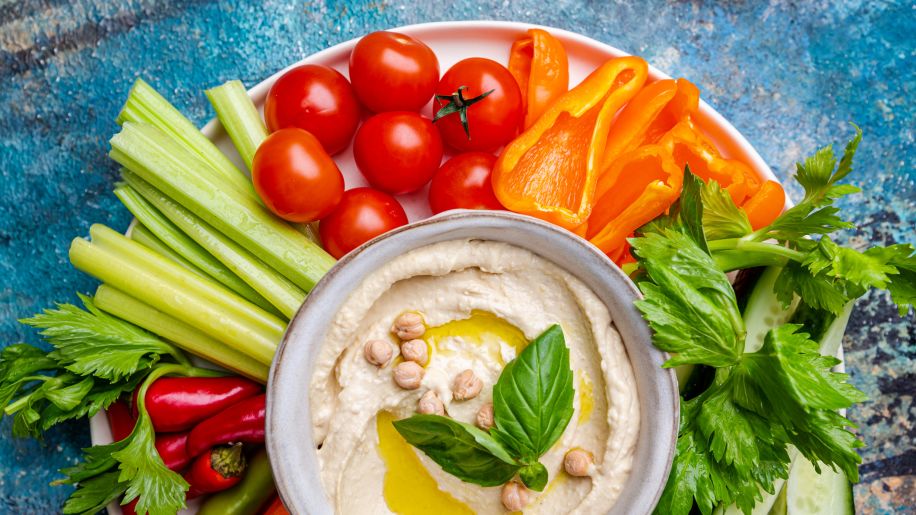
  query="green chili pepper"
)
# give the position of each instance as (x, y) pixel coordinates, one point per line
(246, 497)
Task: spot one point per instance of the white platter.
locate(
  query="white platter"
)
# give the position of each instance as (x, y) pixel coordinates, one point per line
(452, 42)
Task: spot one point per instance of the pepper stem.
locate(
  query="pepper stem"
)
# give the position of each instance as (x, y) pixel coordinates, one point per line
(228, 460)
(456, 103)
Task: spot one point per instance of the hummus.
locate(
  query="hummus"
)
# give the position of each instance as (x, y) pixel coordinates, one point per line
(482, 301)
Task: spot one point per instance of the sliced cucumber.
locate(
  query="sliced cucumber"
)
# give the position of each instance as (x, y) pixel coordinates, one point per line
(810, 493)
(780, 507)
(764, 311)
(832, 338)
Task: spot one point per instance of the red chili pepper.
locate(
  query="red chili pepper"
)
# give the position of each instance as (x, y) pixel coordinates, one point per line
(275, 507)
(243, 422)
(173, 449)
(130, 508)
(217, 470)
(178, 403)
(120, 420)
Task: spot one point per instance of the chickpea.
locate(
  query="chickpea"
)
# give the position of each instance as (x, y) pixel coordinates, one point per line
(415, 350)
(408, 375)
(514, 496)
(408, 326)
(377, 352)
(430, 404)
(485, 416)
(578, 462)
(466, 385)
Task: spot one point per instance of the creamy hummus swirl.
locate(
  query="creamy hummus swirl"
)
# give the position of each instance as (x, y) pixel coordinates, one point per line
(449, 281)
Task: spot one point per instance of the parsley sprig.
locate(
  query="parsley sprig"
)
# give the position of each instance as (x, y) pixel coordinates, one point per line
(95, 359)
(532, 405)
(735, 436)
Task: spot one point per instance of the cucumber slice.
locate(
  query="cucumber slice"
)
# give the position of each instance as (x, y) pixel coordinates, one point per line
(764, 311)
(810, 493)
(769, 505)
(780, 507)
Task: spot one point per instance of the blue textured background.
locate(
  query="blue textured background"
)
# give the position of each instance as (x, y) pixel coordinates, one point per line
(789, 75)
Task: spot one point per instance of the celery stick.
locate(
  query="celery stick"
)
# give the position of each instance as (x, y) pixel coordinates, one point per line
(124, 306)
(171, 169)
(178, 241)
(240, 118)
(286, 296)
(143, 236)
(197, 301)
(144, 104)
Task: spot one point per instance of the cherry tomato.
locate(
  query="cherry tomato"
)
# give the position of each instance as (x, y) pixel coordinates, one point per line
(492, 120)
(393, 72)
(463, 182)
(295, 177)
(397, 152)
(363, 214)
(315, 98)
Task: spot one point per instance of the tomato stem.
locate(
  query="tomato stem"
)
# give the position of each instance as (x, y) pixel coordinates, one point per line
(456, 103)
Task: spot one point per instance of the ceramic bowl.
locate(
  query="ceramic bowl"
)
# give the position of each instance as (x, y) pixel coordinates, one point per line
(289, 426)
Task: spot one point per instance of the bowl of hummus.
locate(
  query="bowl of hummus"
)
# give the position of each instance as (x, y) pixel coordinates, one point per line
(474, 362)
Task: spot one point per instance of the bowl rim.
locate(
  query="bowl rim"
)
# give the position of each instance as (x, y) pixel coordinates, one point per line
(646, 481)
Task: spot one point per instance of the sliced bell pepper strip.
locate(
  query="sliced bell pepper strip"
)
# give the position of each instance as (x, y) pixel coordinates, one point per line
(686, 101)
(539, 64)
(550, 170)
(765, 205)
(650, 182)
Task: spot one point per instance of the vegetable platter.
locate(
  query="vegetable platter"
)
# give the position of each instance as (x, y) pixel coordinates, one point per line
(543, 122)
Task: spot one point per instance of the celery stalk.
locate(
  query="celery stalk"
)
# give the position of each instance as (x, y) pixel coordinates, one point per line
(145, 105)
(123, 306)
(171, 169)
(239, 117)
(279, 291)
(140, 234)
(178, 241)
(198, 301)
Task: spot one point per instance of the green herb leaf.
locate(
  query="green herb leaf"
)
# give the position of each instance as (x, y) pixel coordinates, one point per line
(95, 494)
(460, 449)
(721, 217)
(533, 398)
(534, 476)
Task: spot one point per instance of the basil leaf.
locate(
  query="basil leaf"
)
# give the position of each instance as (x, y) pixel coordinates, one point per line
(533, 398)
(534, 476)
(462, 450)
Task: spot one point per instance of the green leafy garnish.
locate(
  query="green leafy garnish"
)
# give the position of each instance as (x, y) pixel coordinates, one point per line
(532, 405)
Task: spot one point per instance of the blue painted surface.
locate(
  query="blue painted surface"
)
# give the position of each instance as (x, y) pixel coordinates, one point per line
(789, 75)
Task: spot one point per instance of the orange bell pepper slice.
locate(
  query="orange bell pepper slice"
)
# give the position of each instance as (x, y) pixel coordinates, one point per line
(650, 183)
(765, 205)
(550, 170)
(654, 111)
(539, 64)
(690, 147)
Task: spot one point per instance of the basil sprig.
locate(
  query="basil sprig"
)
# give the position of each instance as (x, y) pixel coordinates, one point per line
(532, 405)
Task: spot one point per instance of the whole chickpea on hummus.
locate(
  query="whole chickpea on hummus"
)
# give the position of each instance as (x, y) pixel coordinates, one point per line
(478, 304)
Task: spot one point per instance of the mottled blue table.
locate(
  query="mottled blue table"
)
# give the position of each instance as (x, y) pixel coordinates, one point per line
(789, 75)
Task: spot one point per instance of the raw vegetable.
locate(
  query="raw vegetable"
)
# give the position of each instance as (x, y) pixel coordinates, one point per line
(295, 177)
(173, 449)
(463, 182)
(532, 404)
(217, 470)
(478, 106)
(239, 117)
(275, 508)
(151, 155)
(143, 236)
(240, 422)
(813, 491)
(317, 99)
(120, 420)
(363, 214)
(393, 72)
(245, 498)
(765, 205)
(125, 307)
(397, 152)
(551, 169)
(280, 291)
(179, 403)
(199, 302)
(539, 64)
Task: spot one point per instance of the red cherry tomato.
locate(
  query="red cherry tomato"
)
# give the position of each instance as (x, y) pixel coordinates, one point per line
(494, 119)
(363, 214)
(393, 72)
(315, 98)
(295, 177)
(397, 152)
(463, 182)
